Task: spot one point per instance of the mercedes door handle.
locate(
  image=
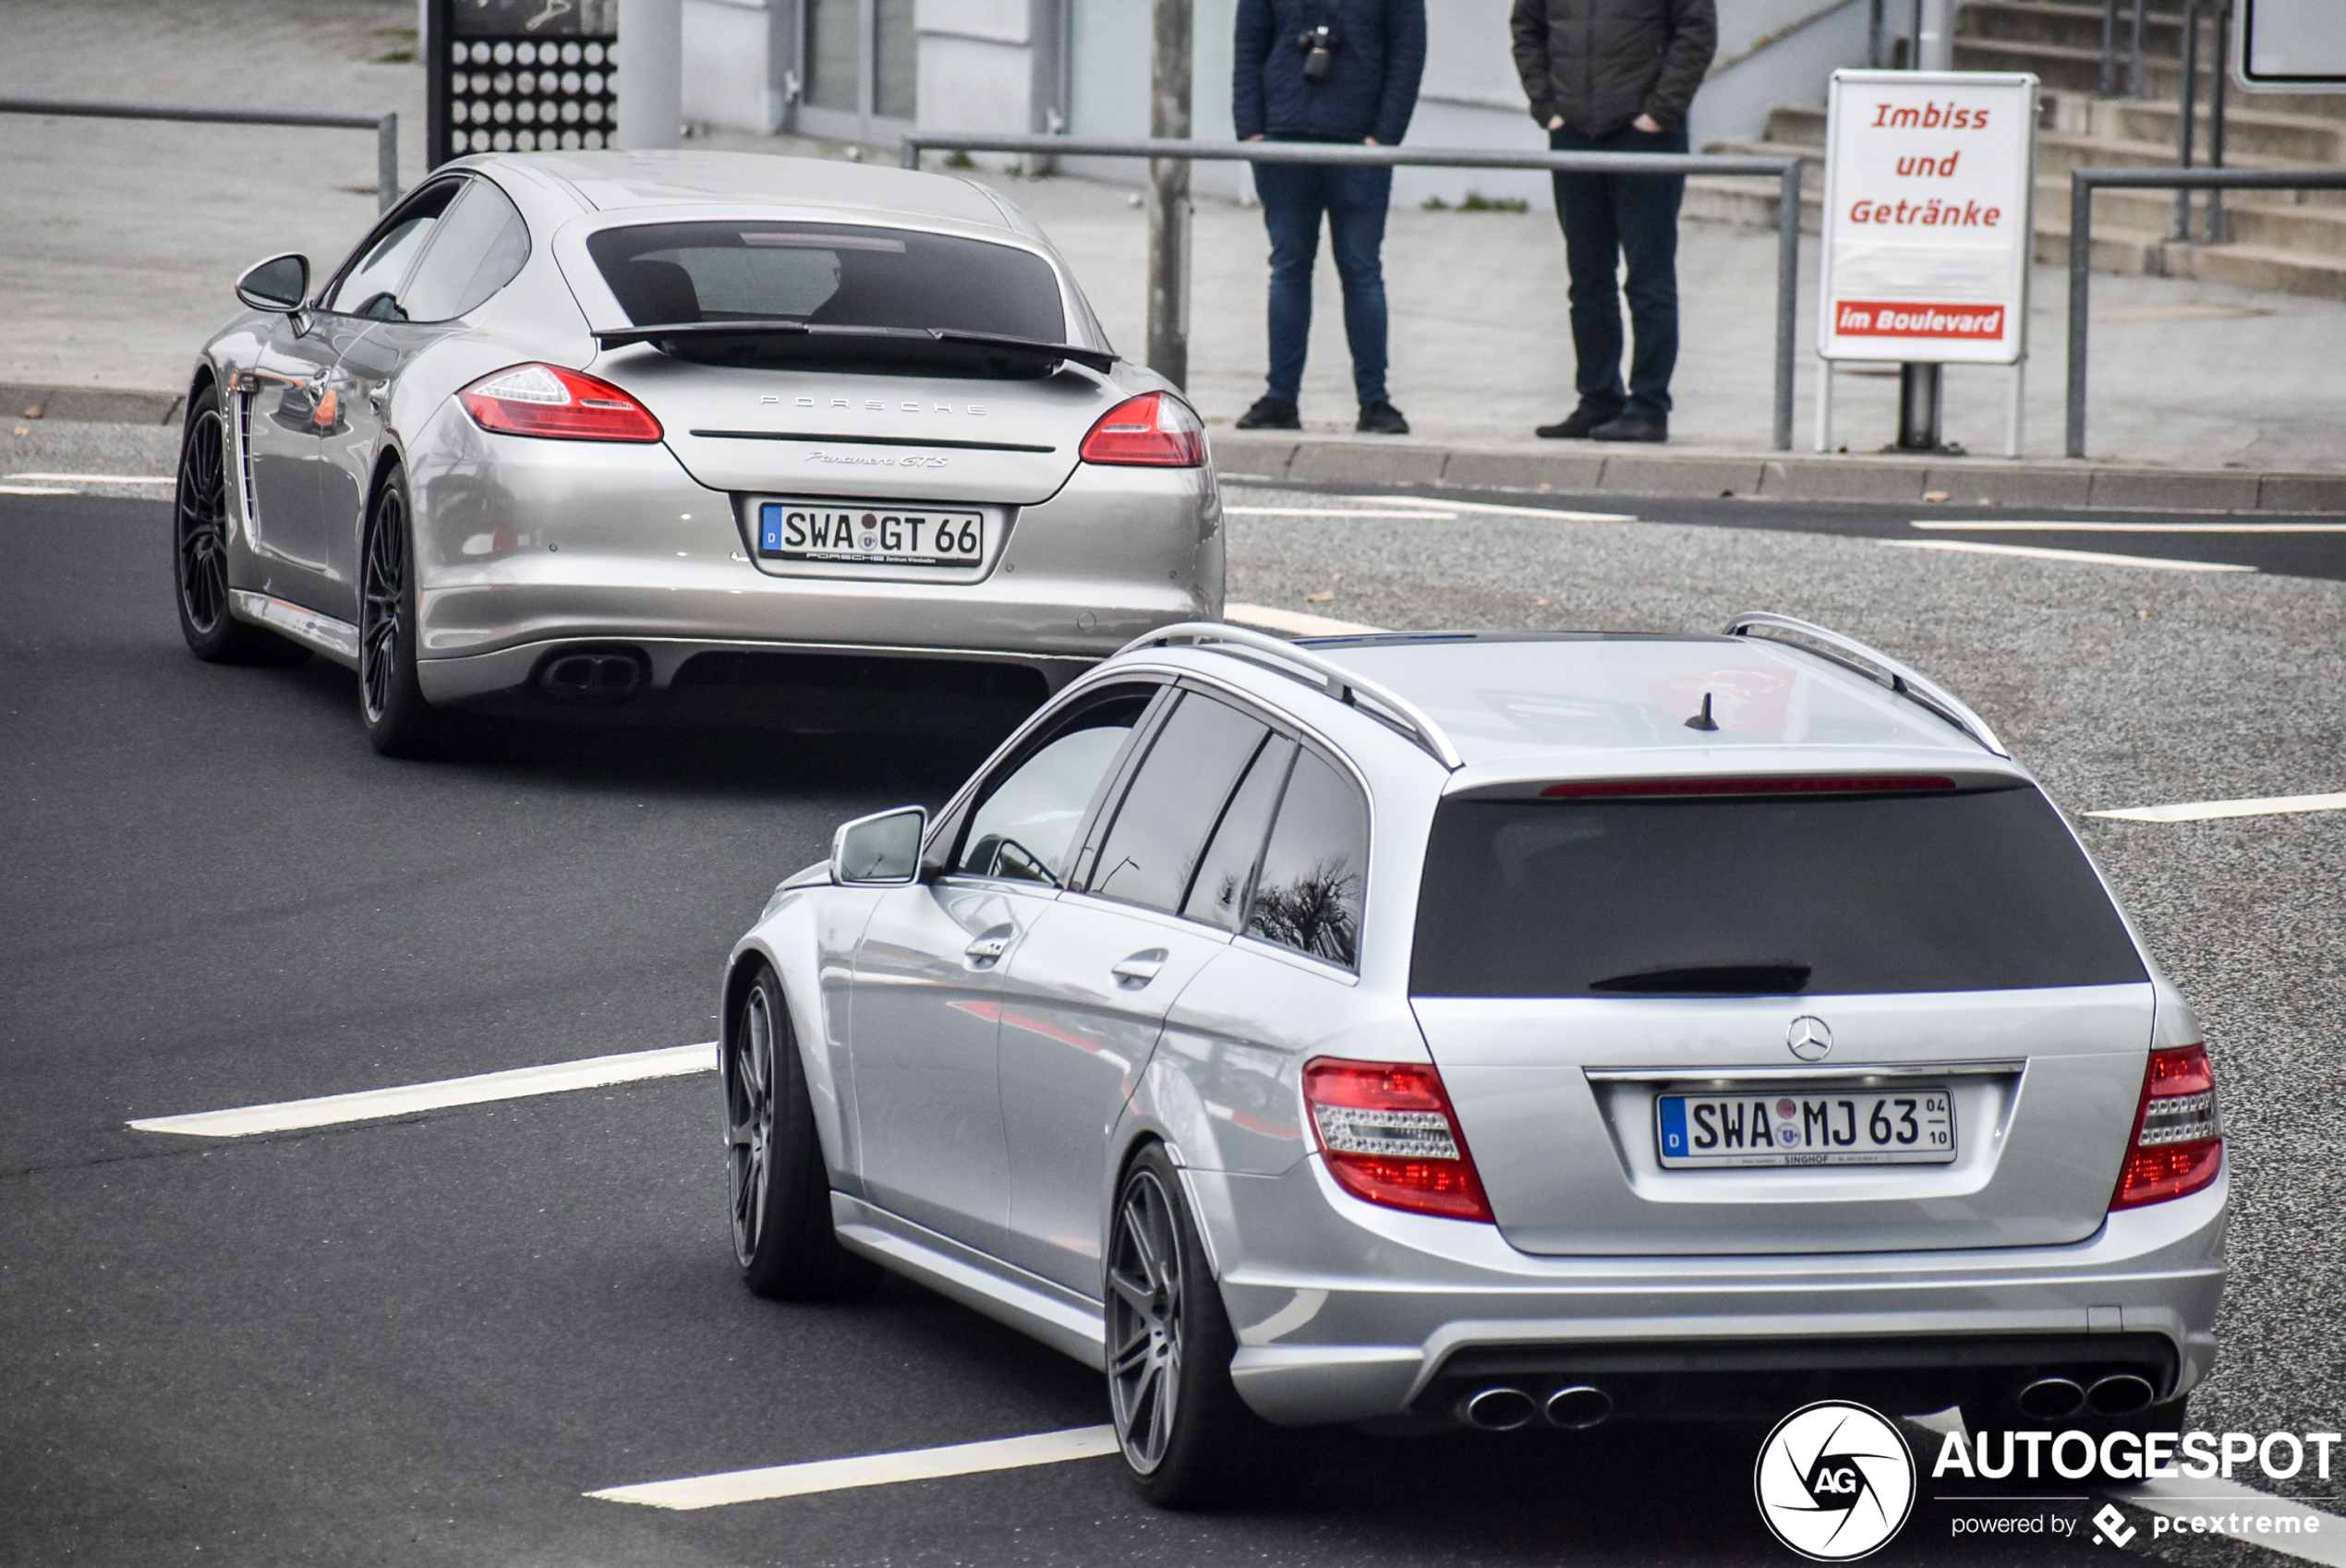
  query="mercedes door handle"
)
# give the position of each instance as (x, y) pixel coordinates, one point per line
(988, 948)
(1140, 969)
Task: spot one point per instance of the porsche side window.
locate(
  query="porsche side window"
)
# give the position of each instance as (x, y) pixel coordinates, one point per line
(1023, 830)
(369, 284)
(477, 248)
(1316, 868)
(1161, 826)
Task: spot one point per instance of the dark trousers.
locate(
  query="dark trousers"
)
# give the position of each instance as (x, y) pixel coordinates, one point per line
(1608, 219)
(1354, 200)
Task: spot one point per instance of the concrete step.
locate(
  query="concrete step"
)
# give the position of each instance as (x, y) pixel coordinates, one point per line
(2059, 66)
(2076, 27)
(2253, 266)
(2284, 138)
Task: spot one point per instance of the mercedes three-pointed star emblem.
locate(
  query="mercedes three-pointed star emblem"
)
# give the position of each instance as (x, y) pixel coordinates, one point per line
(1808, 1039)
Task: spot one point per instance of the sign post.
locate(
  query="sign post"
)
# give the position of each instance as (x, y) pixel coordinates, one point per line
(1930, 181)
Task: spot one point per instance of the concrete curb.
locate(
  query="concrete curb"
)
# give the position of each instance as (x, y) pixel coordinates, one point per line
(89, 405)
(1583, 469)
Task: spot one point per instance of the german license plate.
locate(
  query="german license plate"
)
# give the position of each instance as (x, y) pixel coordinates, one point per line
(871, 536)
(1902, 1127)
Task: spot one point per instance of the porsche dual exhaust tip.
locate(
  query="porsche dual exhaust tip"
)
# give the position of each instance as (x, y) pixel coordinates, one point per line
(594, 677)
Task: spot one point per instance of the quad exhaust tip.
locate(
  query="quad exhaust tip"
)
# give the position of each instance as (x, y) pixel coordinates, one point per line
(605, 677)
(2121, 1394)
(2050, 1399)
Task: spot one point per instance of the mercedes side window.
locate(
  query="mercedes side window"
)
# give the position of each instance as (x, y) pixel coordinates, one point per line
(1024, 827)
(369, 282)
(477, 248)
(1316, 868)
(1218, 892)
(1163, 823)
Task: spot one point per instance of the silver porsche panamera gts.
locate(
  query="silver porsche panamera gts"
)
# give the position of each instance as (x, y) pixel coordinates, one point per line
(714, 433)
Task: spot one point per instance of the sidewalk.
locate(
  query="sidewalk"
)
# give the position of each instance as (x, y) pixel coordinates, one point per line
(121, 240)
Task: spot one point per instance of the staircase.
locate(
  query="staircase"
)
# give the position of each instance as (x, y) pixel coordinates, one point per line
(2292, 242)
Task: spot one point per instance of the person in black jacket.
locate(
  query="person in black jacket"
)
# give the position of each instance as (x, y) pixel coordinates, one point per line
(1335, 71)
(1617, 76)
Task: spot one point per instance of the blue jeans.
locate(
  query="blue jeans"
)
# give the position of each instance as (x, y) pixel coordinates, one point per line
(1355, 201)
(1608, 219)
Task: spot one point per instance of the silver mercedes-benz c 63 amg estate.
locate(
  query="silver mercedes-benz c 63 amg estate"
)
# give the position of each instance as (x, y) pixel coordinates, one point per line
(1497, 1030)
(583, 427)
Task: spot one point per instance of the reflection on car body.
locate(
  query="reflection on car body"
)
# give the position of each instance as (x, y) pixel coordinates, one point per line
(1440, 1029)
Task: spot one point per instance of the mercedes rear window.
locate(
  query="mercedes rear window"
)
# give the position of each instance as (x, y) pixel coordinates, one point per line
(827, 274)
(1831, 894)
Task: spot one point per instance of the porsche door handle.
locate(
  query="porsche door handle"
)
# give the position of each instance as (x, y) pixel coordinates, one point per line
(1140, 969)
(988, 948)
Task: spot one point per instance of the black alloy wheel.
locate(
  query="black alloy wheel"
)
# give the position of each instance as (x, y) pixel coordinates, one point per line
(201, 548)
(1186, 1437)
(777, 1182)
(399, 721)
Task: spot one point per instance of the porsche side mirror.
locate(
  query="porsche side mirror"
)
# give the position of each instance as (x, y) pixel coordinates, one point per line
(277, 285)
(879, 850)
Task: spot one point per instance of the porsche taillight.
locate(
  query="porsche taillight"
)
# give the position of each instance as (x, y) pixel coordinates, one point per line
(1389, 1135)
(1154, 430)
(2178, 1145)
(546, 400)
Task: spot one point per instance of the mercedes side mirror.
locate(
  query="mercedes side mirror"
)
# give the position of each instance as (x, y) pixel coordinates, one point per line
(277, 285)
(879, 850)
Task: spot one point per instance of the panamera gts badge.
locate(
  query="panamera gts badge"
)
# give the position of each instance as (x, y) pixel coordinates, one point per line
(1808, 1039)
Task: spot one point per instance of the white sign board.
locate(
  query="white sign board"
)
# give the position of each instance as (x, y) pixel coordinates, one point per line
(2290, 46)
(1930, 192)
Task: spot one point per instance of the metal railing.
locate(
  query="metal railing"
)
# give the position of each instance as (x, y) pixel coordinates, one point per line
(1784, 170)
(385, 127)
(2082, 183)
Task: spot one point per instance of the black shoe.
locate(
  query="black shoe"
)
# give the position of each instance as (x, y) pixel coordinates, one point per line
(1576, 426)
(1630, 428)
(1271, 414)
(1381, 418)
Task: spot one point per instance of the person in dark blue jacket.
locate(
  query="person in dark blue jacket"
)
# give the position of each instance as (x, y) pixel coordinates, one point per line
(1336, 71)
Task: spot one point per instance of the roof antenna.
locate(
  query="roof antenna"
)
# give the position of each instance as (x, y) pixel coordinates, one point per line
(1703, 720)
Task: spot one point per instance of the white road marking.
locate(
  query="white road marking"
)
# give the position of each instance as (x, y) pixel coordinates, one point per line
(1333, 512)
(2086, 557)
(371, 1105)
(2212, 811)
(1290, 622)
(2040, 525)
(98, 478)
(867, 1470)
(34, 490)
(1500, 509)
(2237, 1510)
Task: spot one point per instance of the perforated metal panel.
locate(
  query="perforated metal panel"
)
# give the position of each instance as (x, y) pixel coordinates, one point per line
(521, 76)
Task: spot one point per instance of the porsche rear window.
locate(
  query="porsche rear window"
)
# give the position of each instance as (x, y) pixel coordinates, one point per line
(827, 274)
(1954, 890)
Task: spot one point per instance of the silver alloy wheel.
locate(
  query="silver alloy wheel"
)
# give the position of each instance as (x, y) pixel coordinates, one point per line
(1144, 1321)
(749, 1123)
(382, 595)
(203, 523)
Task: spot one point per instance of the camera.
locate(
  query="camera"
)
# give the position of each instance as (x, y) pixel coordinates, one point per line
(1318, 44)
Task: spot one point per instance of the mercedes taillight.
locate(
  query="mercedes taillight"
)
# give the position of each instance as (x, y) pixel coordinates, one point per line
(2179, 1137)
(1390, 1137)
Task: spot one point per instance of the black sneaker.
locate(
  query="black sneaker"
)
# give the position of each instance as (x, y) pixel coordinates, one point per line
(1631, 427)
(1381, 418)
(1271, 414)
(1576, 426)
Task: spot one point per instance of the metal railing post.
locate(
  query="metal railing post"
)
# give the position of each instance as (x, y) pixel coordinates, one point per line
(1873, 34)
(2109, 48)
(2218, 49)
(386, 162)
(1787, 295)
(2139, 68)
(2184, 121)
(1169, 318)
(2081, 253)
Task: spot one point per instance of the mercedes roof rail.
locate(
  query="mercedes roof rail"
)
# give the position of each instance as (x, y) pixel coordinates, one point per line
(1855, 655)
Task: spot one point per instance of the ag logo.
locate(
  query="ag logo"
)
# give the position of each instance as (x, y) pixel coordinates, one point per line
(1834, 1481)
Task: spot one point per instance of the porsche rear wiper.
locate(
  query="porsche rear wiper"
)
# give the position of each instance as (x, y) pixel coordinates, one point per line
(1095, 359)
(1710, 980)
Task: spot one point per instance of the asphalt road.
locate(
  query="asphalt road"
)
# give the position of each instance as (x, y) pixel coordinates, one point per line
(423, 1339)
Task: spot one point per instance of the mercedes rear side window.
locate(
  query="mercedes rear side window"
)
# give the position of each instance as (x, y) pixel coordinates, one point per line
(1976, 890)
(822, 275)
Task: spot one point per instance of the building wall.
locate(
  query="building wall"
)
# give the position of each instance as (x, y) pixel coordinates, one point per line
(737, 56)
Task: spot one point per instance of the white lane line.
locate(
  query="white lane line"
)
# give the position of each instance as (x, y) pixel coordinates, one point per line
(1292, 623)
(867, 1470)
(1333, 512)
(98, 478)
(2243, 1514)
(34, 490)
(2010, 525)
(1500, 509)
(371, 1105)
(2087, 557)
(2212, 811)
